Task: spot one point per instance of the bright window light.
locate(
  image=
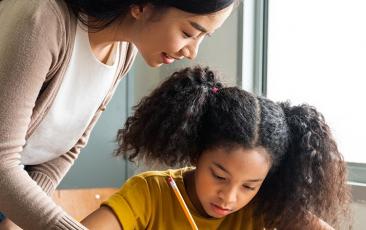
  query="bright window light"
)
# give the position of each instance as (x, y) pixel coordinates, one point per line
(317, 55)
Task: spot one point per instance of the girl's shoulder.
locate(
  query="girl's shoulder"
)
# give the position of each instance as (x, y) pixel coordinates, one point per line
(174, 173)
(157, 179)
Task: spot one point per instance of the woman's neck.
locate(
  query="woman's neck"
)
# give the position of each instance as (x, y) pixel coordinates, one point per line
(102, 41)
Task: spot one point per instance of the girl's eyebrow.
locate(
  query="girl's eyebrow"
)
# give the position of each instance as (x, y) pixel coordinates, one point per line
(225, 170)
(221, 167)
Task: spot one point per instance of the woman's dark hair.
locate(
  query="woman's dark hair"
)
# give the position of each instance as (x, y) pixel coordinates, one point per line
(192, 111)
(107, 11)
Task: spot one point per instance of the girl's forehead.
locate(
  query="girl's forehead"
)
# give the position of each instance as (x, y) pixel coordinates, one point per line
(238, 161)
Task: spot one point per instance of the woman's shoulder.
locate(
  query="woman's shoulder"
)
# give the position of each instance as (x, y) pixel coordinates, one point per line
(41, 25)
(36, 12)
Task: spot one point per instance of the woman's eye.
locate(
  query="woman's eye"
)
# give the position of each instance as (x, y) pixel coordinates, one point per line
(248, 187)
(186, 35)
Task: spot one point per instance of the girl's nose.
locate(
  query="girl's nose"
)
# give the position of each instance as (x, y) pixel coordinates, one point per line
(228, 195)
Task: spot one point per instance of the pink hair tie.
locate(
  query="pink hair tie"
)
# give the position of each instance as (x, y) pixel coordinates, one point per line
(215, 89)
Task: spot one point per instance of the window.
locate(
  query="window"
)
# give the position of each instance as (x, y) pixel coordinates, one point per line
(316, 54)
(311, 51)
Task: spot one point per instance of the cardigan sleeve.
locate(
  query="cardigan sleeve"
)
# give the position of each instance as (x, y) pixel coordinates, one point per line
(32, 42)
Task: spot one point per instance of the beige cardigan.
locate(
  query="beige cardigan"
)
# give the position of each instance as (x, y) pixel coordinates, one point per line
(36, 41)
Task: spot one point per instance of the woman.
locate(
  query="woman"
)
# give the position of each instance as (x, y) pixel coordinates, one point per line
(61, 61)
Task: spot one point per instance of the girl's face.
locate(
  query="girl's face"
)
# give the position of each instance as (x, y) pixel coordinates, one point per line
(227, 180)
(172, 34)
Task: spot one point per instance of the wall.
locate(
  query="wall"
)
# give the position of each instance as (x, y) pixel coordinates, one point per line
(96, 166)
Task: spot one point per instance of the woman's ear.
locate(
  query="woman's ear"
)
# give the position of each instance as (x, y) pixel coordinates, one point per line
(141, 11)
(137, 11)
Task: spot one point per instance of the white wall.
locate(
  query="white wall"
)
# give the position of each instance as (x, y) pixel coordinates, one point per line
(145, 79)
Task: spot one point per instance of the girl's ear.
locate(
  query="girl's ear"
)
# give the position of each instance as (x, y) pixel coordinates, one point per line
(194, 161)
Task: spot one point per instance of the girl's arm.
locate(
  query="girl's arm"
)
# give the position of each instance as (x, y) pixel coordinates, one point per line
(314, 223)
(324, 226)
(319, 224)
(102, 219)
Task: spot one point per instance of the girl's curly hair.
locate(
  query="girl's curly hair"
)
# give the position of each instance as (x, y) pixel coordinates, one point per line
(192, 111)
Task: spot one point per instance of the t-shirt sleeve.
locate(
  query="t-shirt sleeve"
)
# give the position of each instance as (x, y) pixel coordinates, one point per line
(132, 204)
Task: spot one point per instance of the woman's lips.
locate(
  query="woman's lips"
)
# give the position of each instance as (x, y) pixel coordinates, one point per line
(220, 211)
(167, 59)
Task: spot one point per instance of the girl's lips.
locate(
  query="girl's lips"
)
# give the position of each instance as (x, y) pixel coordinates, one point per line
(167, 59)
(219, 210)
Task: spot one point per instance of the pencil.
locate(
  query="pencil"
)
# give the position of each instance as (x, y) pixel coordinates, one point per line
(182, 203)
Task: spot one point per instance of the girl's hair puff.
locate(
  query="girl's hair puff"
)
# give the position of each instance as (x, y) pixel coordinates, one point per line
(311, 178)
(165, 126)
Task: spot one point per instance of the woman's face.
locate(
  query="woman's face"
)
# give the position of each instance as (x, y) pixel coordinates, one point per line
(163, 37)
(227, 180)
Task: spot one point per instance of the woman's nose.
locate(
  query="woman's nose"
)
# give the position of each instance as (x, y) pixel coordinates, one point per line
(190, 51)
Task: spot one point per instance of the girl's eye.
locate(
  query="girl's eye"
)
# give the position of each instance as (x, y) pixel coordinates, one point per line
(186, 35)
(218, 177)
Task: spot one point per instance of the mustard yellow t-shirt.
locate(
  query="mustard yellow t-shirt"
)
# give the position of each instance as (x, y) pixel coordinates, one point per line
(146, 201)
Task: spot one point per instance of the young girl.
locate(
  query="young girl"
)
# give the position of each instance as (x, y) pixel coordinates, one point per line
(258, 164)
(60, 63)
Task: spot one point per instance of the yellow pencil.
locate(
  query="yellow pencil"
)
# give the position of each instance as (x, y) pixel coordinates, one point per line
(182, 203)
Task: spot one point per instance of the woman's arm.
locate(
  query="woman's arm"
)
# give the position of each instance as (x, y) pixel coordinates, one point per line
(102, 219)
(32, 41)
